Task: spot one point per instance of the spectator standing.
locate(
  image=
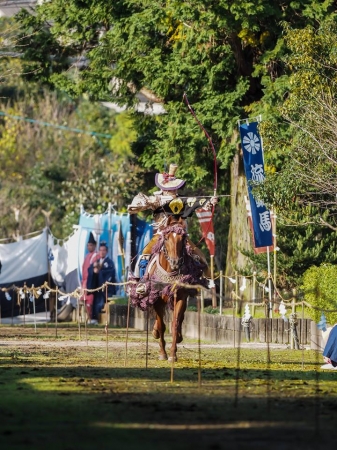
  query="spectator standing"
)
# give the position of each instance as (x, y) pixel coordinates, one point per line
(100, 272)
(91, 257)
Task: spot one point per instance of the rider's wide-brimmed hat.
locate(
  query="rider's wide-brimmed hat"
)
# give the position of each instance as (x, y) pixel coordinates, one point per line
(168, 181)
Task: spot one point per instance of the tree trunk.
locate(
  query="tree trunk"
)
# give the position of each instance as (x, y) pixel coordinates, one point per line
(239, 233)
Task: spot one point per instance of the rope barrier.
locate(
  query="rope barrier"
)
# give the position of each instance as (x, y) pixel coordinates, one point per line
(79, 292)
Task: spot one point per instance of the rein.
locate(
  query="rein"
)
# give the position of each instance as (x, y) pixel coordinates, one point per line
(169, 259)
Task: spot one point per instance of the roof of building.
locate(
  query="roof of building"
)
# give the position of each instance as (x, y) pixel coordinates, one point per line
(9, 8)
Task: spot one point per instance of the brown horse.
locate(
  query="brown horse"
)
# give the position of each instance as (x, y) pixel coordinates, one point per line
(171, 265)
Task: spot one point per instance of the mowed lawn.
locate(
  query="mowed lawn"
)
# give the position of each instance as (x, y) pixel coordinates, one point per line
(60, 389)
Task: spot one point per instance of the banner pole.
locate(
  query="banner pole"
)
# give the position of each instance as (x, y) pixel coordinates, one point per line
(221, 292)
(270, 308)
(275, 257)
(110, 232)
(254, 293)
(213, 291)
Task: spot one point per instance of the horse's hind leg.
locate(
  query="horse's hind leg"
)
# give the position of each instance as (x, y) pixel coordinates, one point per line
(159, 328)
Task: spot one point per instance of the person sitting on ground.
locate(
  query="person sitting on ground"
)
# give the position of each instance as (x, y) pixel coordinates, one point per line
(165, 203)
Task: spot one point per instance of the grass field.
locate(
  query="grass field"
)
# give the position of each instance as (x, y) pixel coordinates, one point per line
(65, 391)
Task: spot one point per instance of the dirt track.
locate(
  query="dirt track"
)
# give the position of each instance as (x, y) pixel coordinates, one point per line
(59, 393)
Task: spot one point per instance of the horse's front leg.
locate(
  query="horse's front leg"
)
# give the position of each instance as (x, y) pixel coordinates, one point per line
(177, 320)
(159, 328)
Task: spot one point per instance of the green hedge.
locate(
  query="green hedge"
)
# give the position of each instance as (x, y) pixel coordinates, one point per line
(320, 290)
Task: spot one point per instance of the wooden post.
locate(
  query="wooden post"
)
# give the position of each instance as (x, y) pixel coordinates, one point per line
(174, 331)
(221, 292)
(236, 292)
(147, 338)
(293, 311)
(24, 307)
(202, 303)
(56, 298)
(199, 346)
(270, 305)
(254, 294)
(213, 291)
(17, 302)
(234, 308)
(106, 322)
(275, 259)
(34, 310)
(45, 306)
(127, 332)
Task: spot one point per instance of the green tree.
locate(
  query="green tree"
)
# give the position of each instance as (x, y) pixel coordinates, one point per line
(319, 288)
(52, 169)
(226, 56)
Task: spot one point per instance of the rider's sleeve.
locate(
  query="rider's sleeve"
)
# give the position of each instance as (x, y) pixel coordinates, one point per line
(193, 203)
(142, 203)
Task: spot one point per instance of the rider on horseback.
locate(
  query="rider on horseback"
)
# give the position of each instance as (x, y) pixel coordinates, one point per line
(166, 203)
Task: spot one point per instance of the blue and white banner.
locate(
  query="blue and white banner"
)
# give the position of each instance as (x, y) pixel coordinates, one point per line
(254, 169)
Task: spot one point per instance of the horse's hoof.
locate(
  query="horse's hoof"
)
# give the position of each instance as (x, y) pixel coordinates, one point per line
(162, 357)
(155, 333)
(179, 338)
(172, 359)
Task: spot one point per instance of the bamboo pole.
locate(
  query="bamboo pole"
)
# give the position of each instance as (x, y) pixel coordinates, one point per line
(17, 301)
(234, 310)
(213, 291)
(275, 257)
(79, 316)
(85, 316)
(24, 308)
(34, 311)
(199, 344)
(147, 338)
(127, 332)
(270, 306)
(202, 303)
(174, 330)
(221, 292)
(254, 294)
(106, 322)
(56, 298)
(236, 292)
(45, 306)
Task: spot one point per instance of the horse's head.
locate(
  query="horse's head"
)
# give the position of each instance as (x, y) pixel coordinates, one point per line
(173, 244)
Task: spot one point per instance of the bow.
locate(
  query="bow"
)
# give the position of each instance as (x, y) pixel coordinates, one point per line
(215, 184)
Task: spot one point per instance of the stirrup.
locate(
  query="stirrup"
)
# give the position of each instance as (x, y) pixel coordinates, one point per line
(196, 258)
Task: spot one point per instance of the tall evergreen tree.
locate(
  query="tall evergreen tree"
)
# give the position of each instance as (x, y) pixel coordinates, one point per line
(222, 54)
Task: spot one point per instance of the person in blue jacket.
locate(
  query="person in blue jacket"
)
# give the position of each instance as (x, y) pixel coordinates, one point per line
(330, 350)
(99, 272)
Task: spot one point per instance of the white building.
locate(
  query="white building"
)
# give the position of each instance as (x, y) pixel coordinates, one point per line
(9, 8)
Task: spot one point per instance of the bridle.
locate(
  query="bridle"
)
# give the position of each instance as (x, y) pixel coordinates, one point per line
(175, 263)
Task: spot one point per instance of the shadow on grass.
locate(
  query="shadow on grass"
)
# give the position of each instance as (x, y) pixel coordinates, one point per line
(71, 408)
(55, 403)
